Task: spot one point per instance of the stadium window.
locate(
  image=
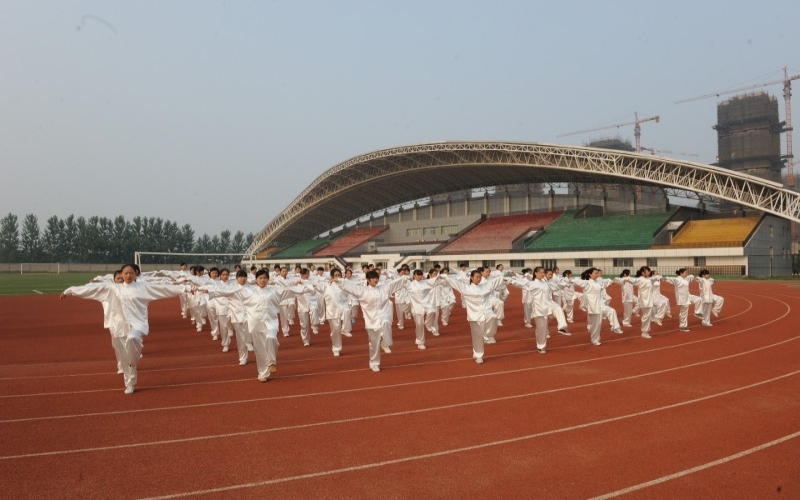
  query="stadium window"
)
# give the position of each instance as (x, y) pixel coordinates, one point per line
(770, 231)
(550, 263)
(652, 261)
(414, 232)
(430, 231)
(449, 230)
(517, 263)
(488, 263)
(699, 261)
(581, 263)
(623, 262)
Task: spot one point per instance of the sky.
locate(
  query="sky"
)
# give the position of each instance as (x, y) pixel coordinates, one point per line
(219, 113)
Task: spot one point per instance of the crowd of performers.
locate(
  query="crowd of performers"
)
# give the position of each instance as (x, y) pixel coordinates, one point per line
(254, 307)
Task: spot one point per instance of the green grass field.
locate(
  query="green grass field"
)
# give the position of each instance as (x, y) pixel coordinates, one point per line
(40, 283)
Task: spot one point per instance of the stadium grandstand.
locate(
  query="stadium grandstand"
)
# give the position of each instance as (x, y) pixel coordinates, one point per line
(524, 204)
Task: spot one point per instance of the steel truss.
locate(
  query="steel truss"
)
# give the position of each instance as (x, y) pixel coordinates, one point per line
(389, 177)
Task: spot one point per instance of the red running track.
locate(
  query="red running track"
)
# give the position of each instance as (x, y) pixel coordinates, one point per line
(713, 413)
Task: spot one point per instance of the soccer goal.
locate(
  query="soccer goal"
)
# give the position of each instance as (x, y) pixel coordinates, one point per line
(167, 260)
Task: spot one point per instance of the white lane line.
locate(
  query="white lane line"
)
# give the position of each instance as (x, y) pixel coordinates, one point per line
(407, 384)
(453, 348)
(698, 468)
(453, 451)
(37, 291)
(359, 419)
(391, 386)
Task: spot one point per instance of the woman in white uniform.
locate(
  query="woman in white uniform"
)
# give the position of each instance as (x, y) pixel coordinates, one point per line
(128, 301)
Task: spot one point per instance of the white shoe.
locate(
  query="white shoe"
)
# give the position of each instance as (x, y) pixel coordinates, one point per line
(347, 334)
(249, 347)
(627, 325)
(336, 355)
(499, 323)
(286, 334)
(435, 333)
(272, 368)
(242, 363)
(445, 323)
(263, 379)
(548, 335)
(570, 321)
(400, 327)
(479, 361)
(490, 340)
(306, 344)
(421, 347)
(646, 336)
(657, 321)
(225, 349)
(541, 351)
(129, 390)
(707, 323)
(617, 331)
(387, 350)
(214, 338)
(528, 325)
(315, 330)
(375, 368)
(597, 343)
(563, 331)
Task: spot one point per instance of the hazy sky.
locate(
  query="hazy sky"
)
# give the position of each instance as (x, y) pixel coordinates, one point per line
(218, 113)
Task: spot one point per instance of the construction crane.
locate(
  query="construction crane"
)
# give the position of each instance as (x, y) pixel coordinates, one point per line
(787, 98)
(637, 129)
(654, 151)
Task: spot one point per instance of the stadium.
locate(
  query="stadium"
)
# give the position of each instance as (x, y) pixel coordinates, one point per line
(528, 204)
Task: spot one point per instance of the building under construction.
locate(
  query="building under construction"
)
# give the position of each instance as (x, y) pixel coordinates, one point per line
(748, 135)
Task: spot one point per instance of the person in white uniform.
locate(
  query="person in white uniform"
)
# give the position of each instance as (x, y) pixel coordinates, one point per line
(593, 290)
(682, 296)
(477, 296)
(337, 309)
(263, 303)
(539, 295)
(373, 299)
(128, 301)
(644, 283)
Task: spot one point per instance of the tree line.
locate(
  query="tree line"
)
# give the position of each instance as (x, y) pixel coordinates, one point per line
(107, 241)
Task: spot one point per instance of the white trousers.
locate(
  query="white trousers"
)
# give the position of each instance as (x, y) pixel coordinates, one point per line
(265, 346)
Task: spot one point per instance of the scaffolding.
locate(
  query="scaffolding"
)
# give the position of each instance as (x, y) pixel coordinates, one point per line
(748, 135)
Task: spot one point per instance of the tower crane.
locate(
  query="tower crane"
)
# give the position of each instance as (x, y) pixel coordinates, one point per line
(654, 151)
(637, 129)
(787, 99)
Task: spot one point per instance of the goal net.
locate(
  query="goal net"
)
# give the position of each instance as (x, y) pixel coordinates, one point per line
(155, 261)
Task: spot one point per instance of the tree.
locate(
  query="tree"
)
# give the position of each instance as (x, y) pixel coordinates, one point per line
(237, 243)
(203, 244)
(70, 235)
(225, 242)
(52, 240)
(187, 239)
(31, 247)
(9, 239)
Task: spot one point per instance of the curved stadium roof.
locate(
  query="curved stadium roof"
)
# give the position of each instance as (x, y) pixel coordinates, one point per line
(384, 178)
